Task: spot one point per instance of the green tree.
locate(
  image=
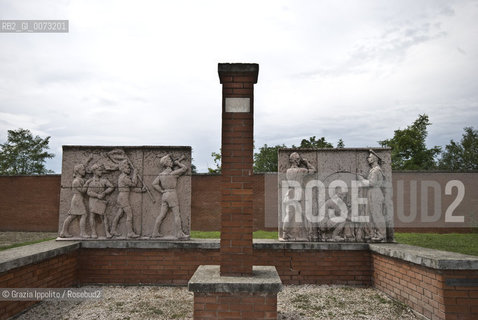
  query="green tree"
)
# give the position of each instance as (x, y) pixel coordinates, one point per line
(24, 154)
(462, 155)
(194, 169)
(216, 156)
(340, 144)
(312, 142)
(409, 151)
(267, 158)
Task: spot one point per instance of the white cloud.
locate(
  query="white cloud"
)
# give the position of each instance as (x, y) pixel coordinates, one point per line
(145, 72)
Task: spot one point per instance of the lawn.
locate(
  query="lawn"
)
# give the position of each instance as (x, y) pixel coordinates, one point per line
(466, 243)
(21, 244)
(205, 234)
(216, 234)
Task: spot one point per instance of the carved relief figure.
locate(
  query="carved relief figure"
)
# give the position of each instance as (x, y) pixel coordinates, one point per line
(299, 168)
(125, 183)
(117, 156)
(376, 200)
(98, 188)
(77, 207)
(166, 183)
(331, 226)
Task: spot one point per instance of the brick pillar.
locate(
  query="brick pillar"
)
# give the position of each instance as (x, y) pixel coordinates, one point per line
(236, 289)
(237, 81)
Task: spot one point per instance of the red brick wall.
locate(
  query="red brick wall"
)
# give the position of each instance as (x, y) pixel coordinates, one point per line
(460, 302)
(236, 306)
(416, 286)
(466, 207)
(146, 266)
(425, 289)
(29, 203)
(258, 203)
(318, 267)
(176, 266)
(57, 272)
(206, 203)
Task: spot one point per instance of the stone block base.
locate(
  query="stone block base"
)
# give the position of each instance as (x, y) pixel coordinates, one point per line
(220, 297)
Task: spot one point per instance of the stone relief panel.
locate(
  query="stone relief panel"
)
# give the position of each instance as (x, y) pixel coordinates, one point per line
(125, 192)
(347, 199)
(296, 169)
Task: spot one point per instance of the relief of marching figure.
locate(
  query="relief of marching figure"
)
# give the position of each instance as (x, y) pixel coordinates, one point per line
(77, 207)
(165, 183)
(125, 184)
(97, 189)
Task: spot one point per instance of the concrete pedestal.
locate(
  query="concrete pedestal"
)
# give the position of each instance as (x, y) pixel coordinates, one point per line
(222, 297)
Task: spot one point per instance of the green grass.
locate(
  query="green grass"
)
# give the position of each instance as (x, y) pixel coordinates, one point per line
(466, 243)
(260, 234)
(206, 234)
(21, 244)
(216, 234)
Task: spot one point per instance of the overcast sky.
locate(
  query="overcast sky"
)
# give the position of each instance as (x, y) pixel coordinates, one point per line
(145, 73)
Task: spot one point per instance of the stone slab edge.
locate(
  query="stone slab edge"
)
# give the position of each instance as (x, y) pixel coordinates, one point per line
(25, 255)
(431, 258)
(214, 244)
(67, 146)
(325, 246)
(208, 244)
(207, 279)
(435, 259)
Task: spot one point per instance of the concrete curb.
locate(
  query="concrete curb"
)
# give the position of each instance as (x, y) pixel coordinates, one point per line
(207, 279)
(21, 256)
(323, 246)
(431, 258)
(207, 244)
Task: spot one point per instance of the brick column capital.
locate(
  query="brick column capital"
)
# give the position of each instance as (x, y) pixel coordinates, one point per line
(227, 71)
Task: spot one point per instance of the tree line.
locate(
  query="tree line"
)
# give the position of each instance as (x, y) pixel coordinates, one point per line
(408, 150)
(25, 154)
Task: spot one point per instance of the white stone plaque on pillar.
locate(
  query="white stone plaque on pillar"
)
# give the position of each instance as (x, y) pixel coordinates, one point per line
(238, 105)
